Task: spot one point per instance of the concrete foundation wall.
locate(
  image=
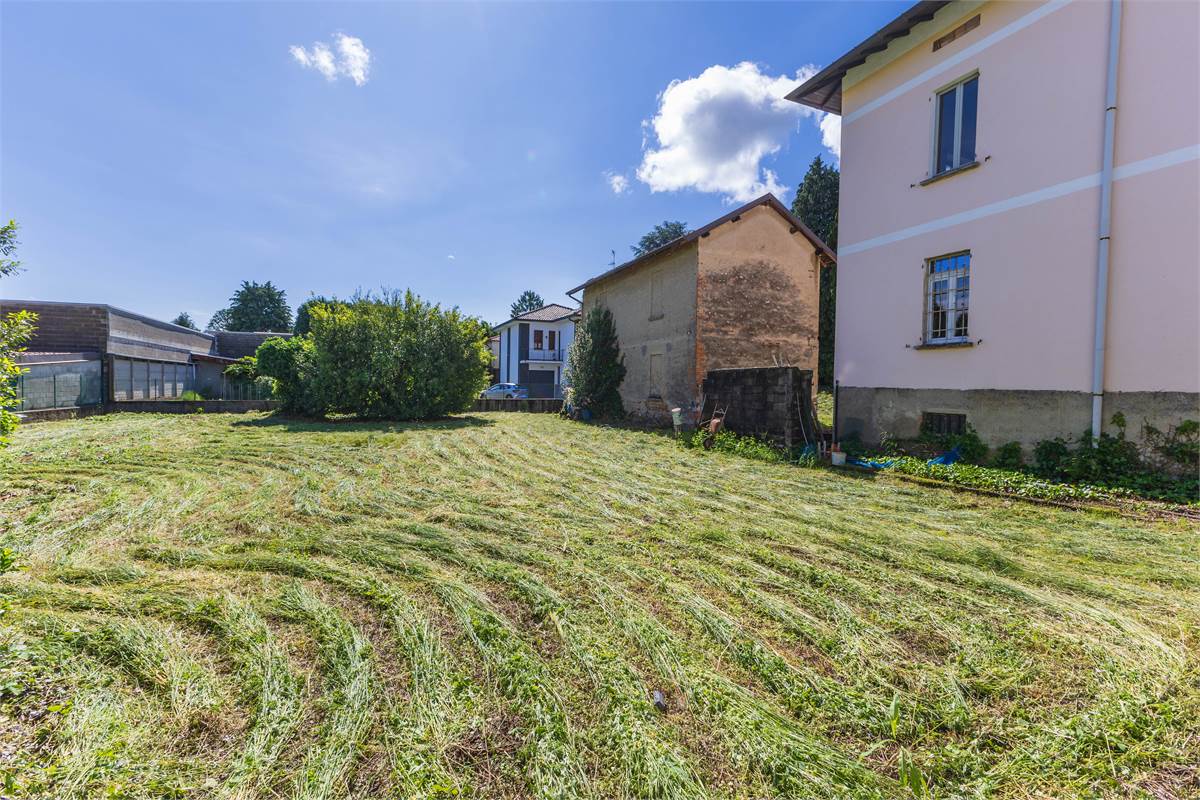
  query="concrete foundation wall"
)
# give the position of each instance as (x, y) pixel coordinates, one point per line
(1001, 416)
(757, 295)
(654, 309)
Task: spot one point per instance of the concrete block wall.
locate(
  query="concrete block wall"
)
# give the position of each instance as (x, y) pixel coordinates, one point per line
(770, 402)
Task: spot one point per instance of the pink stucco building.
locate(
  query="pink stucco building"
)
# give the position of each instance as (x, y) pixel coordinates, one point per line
(971, 271)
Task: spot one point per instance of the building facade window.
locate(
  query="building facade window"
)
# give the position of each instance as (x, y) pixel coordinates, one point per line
(955, 110)
(947, 298)
(537, 339)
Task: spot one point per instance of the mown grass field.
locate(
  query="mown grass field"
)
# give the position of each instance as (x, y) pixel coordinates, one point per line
(243, 607)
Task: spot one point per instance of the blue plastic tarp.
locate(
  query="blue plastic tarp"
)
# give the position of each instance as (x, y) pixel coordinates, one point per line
(949, 457)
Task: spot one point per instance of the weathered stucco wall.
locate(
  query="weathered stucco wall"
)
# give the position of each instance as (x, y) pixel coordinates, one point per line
(757, 295)
(654, 308)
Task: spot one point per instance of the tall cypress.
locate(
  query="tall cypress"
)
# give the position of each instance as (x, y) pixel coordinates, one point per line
(596, 367)
(816, 205)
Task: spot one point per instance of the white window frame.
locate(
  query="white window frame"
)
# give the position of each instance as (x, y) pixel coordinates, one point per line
(955, 86)
(952, 309)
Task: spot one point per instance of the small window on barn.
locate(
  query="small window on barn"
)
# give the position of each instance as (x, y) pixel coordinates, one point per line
(656, 295)
(942, 424)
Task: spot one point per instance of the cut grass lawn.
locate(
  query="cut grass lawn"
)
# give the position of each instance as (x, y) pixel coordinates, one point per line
(251, 607)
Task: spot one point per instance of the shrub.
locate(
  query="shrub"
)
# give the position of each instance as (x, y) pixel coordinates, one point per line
(1008, 456)
(15, 330)
(392, 356)
(1179, 447)
(1113, 462)
(595, 366)
(289, 363)
(245, 368)
(1049, 455)
(970, 447)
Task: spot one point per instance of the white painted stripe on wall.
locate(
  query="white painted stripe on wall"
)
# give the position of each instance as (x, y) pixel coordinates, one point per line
(1162, 161)
(969, 52)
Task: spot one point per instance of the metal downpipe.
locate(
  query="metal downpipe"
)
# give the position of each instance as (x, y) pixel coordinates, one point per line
(1106, 179)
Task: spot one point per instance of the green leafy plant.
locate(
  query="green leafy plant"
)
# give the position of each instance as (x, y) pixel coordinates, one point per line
(1179, 446)
(970, 447)
(1008, 456)
(15, 330)
(289, 363)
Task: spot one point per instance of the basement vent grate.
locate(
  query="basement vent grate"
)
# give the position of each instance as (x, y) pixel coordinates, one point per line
(943, 424)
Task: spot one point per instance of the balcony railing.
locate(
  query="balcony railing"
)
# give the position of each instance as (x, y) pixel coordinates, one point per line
(545, 355)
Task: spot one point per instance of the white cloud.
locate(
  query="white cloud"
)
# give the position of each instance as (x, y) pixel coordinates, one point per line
(831, 134)
(352, 60)
(450, 257)
(617, 182)
(714, 131)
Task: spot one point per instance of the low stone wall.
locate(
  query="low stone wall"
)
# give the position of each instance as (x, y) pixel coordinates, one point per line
(151, 407)
(54, 414)
(1006, 415)
(535, 405)
(193, 406)
(770, 402)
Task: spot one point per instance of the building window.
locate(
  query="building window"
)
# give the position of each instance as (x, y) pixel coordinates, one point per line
(551, 336)
(943, 424)
(947, 298)
(954, 125)
(537, 340)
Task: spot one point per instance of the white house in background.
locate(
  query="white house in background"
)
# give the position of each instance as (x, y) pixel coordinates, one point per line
(533, 346)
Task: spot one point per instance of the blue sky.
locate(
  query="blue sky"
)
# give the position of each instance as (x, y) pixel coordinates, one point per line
(158, 154)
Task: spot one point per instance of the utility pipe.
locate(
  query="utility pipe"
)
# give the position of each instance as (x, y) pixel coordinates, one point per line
(1106, 179)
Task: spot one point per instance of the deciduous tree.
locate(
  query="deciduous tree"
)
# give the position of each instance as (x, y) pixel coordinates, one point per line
(254, 307)
(662, 234)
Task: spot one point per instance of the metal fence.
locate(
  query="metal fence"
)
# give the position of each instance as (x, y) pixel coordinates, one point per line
(60, 384)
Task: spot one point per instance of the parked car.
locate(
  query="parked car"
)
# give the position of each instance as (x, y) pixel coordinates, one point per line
(508, 391)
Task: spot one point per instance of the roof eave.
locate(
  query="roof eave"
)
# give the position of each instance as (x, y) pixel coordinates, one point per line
(823, 91)
(766, 199)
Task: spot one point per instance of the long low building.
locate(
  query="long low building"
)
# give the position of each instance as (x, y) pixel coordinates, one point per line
(90, 353)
